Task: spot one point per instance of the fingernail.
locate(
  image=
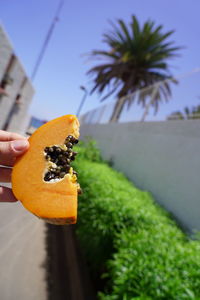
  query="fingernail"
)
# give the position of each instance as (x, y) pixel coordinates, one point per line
(19, 145)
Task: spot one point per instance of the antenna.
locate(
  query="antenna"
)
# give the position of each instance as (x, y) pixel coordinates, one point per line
(47, 39)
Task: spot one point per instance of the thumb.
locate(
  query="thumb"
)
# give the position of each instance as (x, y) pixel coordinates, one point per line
(19, 146)
(10, 150)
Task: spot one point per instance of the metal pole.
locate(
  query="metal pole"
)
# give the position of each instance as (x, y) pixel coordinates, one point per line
(82, 101)
(47, 39)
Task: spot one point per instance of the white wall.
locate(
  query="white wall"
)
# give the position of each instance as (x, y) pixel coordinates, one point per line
(161, 157)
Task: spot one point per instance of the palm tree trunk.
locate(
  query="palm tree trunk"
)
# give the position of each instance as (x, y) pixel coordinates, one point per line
(146, 111)
(117, 109)
(147, 107)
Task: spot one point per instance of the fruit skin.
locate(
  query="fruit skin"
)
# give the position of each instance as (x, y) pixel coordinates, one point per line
(56, 202)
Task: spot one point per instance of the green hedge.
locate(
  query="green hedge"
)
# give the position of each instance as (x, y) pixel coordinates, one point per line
(128, 239)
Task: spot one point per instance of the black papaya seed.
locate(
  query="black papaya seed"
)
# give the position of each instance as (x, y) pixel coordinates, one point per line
(69, 145)
(80, 191)
(58, 150)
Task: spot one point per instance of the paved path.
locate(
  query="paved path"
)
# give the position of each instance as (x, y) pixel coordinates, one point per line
(22, 254)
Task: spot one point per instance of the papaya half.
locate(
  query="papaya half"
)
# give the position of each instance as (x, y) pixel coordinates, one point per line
(43, 179)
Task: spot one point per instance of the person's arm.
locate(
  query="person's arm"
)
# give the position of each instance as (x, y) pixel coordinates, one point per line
(11, 146)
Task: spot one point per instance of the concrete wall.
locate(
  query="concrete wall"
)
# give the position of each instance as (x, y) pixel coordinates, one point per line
(161, 157)
(19, 111)
(12, 114)
(5, 52)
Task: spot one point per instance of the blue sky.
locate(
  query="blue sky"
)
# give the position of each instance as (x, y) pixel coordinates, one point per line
(79, 31)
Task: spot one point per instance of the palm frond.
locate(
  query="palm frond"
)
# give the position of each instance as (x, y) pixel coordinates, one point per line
(125, 31)
(135, 27)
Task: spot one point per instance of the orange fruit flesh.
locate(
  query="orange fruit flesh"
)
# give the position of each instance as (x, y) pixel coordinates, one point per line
(56, 202)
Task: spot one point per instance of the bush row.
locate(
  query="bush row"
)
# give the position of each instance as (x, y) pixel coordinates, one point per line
(129, 240)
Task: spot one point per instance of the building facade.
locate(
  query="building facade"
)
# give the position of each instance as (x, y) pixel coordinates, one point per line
(16, 90)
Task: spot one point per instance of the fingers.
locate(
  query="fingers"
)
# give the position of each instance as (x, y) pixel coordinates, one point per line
(5, 174)
(10, 150)
(9, 136)
(6, 195)
(11, 146)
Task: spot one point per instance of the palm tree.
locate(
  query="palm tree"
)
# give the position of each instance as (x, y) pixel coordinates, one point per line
(136, 59)
(187, 114)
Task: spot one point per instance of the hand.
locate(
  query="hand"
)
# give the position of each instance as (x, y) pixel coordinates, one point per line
(12, 145)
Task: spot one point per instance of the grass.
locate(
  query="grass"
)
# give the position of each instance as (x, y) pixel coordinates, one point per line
(131, 243)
